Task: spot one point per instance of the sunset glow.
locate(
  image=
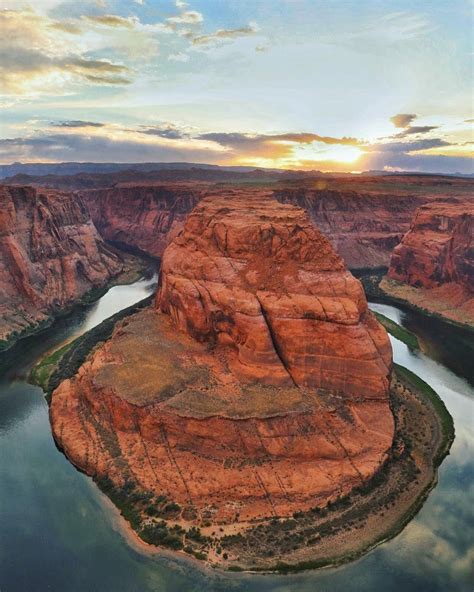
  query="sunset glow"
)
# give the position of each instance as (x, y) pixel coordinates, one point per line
(201, 81)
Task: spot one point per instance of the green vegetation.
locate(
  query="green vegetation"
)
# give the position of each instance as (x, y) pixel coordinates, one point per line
(66, 361)
(398, 331)
(14, 336)
(42, 371)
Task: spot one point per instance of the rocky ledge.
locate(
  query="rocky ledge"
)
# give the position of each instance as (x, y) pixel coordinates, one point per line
(258, 387)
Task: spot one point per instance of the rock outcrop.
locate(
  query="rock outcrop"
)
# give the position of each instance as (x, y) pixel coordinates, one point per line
(257, 387)
(141, 216)
(433, 266)
(50, 256)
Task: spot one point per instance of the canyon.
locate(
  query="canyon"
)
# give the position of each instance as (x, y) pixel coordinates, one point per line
(433, 266)
(364, 216)
(51, 257)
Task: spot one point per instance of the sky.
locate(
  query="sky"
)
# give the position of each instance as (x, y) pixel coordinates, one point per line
(330, 85)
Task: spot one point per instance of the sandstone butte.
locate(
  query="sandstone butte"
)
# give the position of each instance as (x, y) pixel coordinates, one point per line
(433, 266)
(50, 256)
(257, 386)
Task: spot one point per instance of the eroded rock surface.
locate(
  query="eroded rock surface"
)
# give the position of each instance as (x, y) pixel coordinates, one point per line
(257, 387)
(50, 256)
(433, 266)
(257, 275)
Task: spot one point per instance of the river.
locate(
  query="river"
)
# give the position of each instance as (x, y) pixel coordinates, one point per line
(59, 533)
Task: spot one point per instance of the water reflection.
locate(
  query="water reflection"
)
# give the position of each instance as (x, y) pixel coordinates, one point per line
(58, 534)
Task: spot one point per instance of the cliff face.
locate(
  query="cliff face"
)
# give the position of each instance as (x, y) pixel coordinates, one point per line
(50, 256)
(436, 259)
(257, 387)
(141, 216)
(364, 228)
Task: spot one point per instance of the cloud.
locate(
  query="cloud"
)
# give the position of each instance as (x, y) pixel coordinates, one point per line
(185, 16)
(224, 34)
(35, 58)
(240, 139)
(77, 123)
(112, 20)
(408, 147)
(417, 129)
(170, 131)
(90, 147)
(67, 27)
(403, 119)
(188, 17)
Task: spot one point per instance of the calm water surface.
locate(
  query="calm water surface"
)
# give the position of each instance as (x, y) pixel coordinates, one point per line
(58, 533)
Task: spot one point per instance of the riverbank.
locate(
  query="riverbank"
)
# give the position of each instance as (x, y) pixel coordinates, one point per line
(64, 362)
(354, 524)
(376, 288)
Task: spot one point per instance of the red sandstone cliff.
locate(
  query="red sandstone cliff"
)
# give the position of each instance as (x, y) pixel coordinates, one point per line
(257, 387)
(50, 256)
(364, 228)
(141, 216)
(435, 261)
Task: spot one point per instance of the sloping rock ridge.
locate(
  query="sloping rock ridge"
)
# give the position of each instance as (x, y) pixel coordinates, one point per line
(257, 386)
(433, 266)
(50, 256)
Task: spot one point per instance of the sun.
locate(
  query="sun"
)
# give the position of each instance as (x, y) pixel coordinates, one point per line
(318, 152)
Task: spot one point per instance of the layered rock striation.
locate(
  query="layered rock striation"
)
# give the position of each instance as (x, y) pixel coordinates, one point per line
(50, 256)
(257, 386)
(433, 266)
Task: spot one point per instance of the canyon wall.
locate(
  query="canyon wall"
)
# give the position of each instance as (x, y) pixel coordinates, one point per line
(364, 228)
(433, 266)
(51, 255)
(141, 217)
